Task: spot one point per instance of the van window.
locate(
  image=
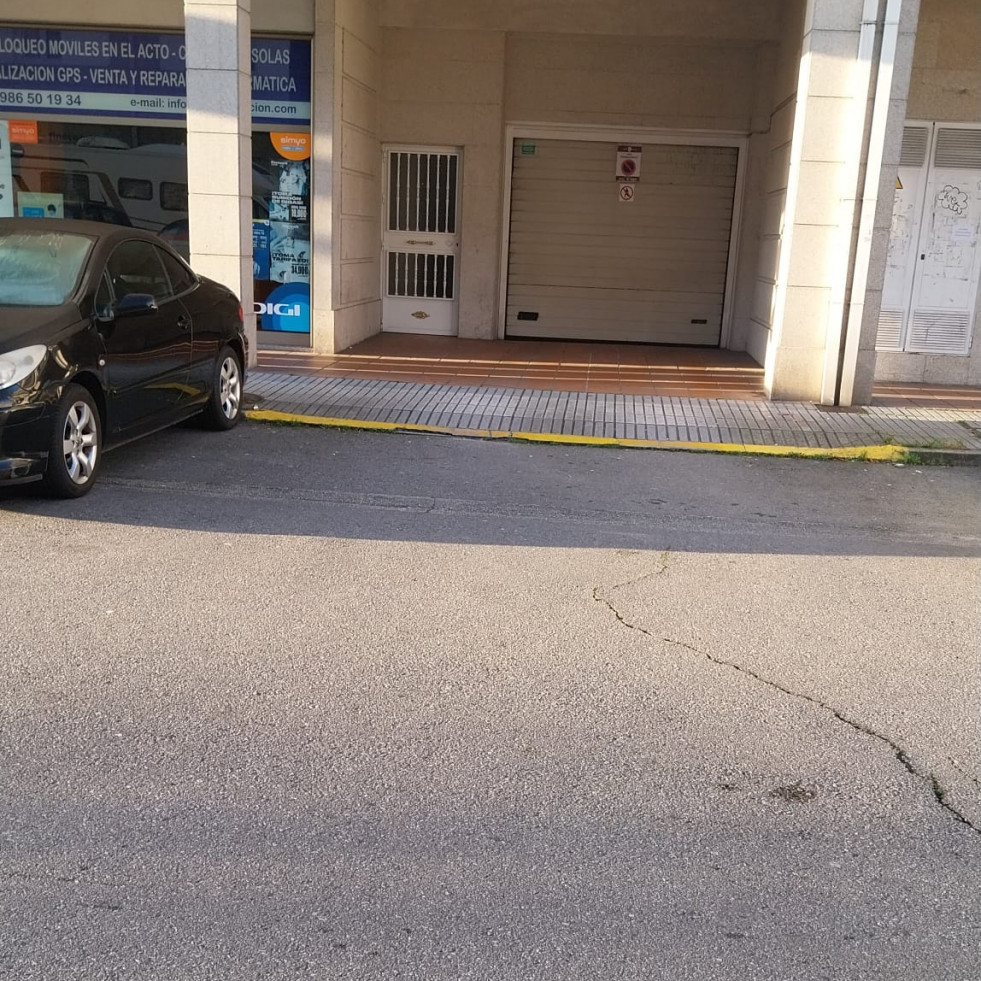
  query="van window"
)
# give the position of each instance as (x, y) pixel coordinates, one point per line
(74, 186)
(135, 189)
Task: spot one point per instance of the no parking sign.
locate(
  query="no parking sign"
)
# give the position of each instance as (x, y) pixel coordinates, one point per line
(628, 163)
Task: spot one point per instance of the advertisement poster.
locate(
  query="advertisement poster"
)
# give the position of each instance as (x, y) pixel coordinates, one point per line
(290, 199)
(123, 73)
(281, 245)
(289, 252)
(36, 205)
(260, 250)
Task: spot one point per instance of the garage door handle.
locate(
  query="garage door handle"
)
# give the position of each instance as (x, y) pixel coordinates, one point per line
(413, 241)
(183, 322)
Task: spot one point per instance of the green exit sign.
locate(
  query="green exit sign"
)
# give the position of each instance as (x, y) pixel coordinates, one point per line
(528, 149)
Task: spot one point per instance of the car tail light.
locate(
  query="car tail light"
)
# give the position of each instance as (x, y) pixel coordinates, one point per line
(241, 314)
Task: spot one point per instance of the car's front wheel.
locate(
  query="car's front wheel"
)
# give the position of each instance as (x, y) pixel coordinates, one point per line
(225, 400)
(75, 452)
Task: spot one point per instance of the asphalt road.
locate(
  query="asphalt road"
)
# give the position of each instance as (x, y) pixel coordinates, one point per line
(289, 703)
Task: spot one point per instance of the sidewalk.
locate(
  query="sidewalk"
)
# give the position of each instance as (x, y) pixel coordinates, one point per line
(483, 397)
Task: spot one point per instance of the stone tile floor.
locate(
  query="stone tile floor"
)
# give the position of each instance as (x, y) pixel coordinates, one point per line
(617, 391)
(615, 369)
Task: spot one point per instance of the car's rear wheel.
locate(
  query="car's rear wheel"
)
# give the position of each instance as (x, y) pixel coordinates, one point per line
(75, 452)
(225, 401)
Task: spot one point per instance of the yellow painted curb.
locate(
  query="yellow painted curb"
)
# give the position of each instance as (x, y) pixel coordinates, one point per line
(888, 453)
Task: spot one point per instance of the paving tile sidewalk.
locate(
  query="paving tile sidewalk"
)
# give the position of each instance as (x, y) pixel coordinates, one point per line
(711, 423)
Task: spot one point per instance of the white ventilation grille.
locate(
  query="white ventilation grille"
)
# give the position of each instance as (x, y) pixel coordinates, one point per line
(915, 140)
(958, 148)
(939, 332)
(890, 334)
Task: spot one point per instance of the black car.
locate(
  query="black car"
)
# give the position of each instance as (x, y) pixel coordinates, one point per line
(106, 334)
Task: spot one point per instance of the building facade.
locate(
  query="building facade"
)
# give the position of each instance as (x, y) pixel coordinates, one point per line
(798, 179)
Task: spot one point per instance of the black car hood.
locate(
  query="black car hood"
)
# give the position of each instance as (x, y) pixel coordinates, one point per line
(23, 326)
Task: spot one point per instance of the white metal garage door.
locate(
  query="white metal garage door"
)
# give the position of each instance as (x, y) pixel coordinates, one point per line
(584, 264)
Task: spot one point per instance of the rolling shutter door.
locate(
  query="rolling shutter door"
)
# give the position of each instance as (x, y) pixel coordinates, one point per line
(584, 265)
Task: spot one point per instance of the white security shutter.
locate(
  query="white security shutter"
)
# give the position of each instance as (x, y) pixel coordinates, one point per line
(946, 285)
(585, 265)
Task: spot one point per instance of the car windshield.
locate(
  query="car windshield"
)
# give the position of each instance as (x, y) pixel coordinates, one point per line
(39, 268)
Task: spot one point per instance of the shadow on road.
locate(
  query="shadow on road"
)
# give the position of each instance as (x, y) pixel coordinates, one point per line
(295, 481)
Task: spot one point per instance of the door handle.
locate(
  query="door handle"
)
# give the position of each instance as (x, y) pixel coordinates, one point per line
(183, 322)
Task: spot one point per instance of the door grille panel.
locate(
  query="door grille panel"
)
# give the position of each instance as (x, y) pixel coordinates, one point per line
(422, 192)
(420, 275)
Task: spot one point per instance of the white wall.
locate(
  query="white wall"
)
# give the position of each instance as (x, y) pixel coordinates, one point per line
(771, 149)
(445, 88)
(357, 220)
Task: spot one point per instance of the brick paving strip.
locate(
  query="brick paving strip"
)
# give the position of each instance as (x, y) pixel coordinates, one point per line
(933, 433)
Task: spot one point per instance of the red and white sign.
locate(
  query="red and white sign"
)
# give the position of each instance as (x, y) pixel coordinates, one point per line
(626, 192)
(628, 163)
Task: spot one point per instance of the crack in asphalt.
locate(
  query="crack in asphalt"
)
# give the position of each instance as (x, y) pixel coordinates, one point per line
(937, 789)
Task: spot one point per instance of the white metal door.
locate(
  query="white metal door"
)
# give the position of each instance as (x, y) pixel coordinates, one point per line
(934, 262)
(904, 238)
(421, 240)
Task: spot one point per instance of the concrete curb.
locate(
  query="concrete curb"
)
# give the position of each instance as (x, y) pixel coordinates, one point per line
(945, 458)
(890, 453)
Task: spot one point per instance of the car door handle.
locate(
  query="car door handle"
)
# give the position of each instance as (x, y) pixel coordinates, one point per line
(183, 322)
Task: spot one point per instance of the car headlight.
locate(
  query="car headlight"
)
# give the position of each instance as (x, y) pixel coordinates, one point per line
(16, 365)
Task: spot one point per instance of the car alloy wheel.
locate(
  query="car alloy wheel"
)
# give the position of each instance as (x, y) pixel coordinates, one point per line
(230, 387)
(224, 405)
(80, 442)
(75, 447)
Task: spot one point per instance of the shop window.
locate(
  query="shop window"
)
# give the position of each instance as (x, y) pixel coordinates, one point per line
(135, 189)
(173, 196)
(281, 230)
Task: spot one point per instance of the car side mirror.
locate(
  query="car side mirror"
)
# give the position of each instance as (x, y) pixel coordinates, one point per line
(135, 305)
